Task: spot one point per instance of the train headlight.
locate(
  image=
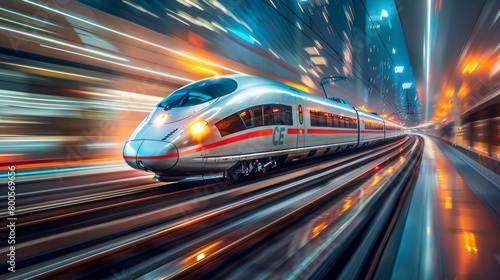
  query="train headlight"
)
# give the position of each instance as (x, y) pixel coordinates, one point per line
(198, 127)
(160, 119)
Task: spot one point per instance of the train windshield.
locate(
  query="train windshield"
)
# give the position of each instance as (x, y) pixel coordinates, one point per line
(198, 93)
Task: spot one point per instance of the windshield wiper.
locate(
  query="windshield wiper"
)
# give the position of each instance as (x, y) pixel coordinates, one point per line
(179, 102)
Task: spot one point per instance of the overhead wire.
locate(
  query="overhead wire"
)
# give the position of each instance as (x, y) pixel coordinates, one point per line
(373, 87)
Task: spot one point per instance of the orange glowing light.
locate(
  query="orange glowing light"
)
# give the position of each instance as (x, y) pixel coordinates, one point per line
(201, 254)
(474, 68)
(160, 119)
(208, 71)
(466, 68)
(347, 204)
(297, 86)
(448, 202)
(198, 127)
(470, 241)
(470, 67)
(318, 229)
(63, 162)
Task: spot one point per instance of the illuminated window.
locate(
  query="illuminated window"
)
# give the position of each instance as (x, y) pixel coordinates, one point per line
(254, 117)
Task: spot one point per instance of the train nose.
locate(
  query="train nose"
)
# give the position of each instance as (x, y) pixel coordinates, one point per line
(150, 154)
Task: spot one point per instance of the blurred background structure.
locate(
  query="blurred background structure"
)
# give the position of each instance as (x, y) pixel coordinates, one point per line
(78, 76)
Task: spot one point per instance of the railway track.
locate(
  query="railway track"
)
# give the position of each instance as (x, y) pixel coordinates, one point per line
(171, 218)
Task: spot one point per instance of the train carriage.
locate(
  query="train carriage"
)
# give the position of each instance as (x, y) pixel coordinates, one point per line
(237, 124)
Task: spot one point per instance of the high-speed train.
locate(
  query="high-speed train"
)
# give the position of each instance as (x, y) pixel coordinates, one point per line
(238, 124)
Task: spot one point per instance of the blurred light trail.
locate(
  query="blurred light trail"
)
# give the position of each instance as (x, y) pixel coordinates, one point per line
(242, 36)
(208, 70)
(427, 62)
(25, 99)
(59, 170)
(140, 8)
(195, 21)
(219, 27)
(135, 38)
(52, 73)
(127, 66)
(26, 25)
(275, 54)
(28, 17)
(189, 3)
(230, 14)
(253, 38)
(176, 18)
(274, 5)
(93, 51)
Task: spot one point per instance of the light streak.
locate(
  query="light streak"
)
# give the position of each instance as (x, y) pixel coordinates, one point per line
(208, 70)
(140, 8)
(52, 71)
(63, 43)
(25, 16)
(58, 170)
(134, 38)
(275, 54)
(253, 38)
(218, 26)
(128, 66)
(473, 68)
(428, 60)
(190, 3)
(26, 25)
(174, 17)
(274, 5)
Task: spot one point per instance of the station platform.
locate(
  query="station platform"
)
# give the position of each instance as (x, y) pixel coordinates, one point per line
(451, 226)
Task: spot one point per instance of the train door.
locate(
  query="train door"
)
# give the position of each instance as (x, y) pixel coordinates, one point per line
(385, 129)
(358, 124)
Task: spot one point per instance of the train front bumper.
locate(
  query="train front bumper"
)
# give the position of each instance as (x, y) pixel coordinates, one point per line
(150, 155)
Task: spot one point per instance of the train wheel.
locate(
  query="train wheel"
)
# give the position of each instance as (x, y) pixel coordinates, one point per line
(271, 163)
(231, 172)
(265, 168)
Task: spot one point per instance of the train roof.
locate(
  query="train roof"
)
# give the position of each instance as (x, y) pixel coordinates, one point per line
(251, 80)
(245, 81)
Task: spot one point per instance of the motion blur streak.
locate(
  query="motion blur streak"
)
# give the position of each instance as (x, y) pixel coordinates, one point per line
(74, 87)
(136, 38)
(64, 44)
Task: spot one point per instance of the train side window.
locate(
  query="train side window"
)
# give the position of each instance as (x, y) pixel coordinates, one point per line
(336, 120)
(329, 119)
(287, 115)
(246, 116)
(314, 118)
(252, 116)
(277, 116)
(257, 115)
(230, 124)
(322, 116)
(268, 115)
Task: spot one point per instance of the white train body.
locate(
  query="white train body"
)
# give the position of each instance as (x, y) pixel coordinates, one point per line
(238, 124)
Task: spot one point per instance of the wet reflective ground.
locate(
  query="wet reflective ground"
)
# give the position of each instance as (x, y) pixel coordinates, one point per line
(449, 233)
